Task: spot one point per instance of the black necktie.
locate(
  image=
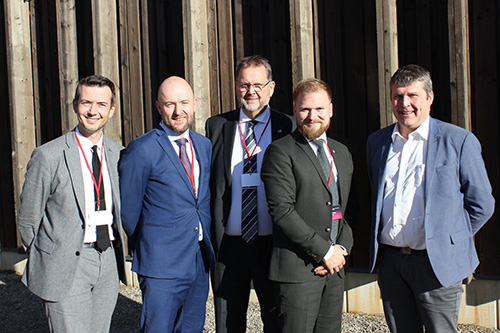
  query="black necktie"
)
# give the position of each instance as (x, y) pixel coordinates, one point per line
(249, 217)
(102, 232)
(183, 154)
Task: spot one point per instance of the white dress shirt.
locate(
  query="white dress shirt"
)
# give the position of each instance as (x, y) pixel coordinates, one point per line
(233, 226)
(191, 156)
(93, 217)
(404, 196)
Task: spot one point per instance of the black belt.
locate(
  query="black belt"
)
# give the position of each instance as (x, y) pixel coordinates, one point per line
(406, 250)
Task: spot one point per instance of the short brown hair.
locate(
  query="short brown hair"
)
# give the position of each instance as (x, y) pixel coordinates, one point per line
(307, 86)
(410, 74)
(96, 81)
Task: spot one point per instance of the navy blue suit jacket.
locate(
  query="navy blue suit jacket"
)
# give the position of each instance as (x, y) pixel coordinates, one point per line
(458, 199)
(160, 211)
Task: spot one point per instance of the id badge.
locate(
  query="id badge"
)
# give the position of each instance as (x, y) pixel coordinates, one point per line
(336, 213)
(99, 217)
(250, 179)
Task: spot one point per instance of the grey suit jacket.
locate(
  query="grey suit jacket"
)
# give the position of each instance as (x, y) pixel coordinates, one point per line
(300, 205)
(51, 216)
(458, 199)
(221, 130)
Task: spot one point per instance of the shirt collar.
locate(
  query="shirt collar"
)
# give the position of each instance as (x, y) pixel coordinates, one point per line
(86, 143)
(422, 131)
(173, 136)
(262, 118)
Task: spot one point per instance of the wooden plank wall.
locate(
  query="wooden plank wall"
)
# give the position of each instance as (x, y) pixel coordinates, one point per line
(485, 80)
(140, 43)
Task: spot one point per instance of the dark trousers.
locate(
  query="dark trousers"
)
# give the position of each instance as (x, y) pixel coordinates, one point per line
(412, 295)
(311, 306)
(175, 305)
(238, 265)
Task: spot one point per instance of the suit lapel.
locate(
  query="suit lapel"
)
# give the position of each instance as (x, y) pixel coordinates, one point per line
(276, 126)
(433, 146)
(304, 146)
(166, 145)
(229, 132)
(72, 156)
(111, 157)
(201, 156)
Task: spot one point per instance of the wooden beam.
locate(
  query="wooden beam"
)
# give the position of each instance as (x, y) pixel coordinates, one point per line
(146, 69)
(67, 52)
(20, 81)
(131, 70)
(458, 22)
(226, 55)
(106, 56)
(302, 40)
(196, 62)
(387, 36)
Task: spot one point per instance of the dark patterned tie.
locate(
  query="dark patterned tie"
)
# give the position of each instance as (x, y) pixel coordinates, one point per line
(183, 154)
(249, 217)
(325, 165)
(102, 232)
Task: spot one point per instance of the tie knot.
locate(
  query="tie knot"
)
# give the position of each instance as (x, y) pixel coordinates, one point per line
(181, 142)
(319, 142)
(251, 124)
(93, 149)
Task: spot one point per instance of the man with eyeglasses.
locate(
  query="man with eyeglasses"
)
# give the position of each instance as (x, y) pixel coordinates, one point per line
(241, 225)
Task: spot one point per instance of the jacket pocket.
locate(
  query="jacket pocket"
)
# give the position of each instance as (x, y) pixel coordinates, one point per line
(44, 244)
(459, 236)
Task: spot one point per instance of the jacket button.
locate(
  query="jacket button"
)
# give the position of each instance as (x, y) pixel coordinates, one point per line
(198, 207)
(196, 229)
(328, 229)
(77, 253)
(328, 203)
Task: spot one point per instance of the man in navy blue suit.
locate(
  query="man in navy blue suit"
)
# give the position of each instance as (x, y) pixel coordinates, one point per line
(430, 196)
(164, 182)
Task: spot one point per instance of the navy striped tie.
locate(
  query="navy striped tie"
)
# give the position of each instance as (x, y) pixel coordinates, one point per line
(249, 217)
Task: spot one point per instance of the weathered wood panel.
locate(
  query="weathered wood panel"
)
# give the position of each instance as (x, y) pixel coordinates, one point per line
(485, 76)
(20, 87)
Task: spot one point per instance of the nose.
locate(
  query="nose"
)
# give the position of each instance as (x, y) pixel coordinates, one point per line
(406, 101)
(93, 108)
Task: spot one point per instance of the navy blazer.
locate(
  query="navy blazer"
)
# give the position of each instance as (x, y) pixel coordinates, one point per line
(458, 199)
(160, 211)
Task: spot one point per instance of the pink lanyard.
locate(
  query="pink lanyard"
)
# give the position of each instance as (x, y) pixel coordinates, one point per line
(97, 185)
(191, 177)
(257, 144)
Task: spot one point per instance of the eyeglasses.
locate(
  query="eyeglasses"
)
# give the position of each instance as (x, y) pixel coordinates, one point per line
(257, 87)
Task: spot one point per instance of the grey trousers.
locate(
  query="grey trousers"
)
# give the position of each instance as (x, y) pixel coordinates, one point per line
(91, 299)
(412, 296)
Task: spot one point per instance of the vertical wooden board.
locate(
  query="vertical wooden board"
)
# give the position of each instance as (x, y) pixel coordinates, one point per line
(485, 74)
(239, 40)
(131, 70)
(213, 56)
(196, 62)
(67, 52)
(146, 68)
(45, 56)
(226, 56)
(279, 54)
(302, 45)
(20, 75)
(106, 56)
(7, 212)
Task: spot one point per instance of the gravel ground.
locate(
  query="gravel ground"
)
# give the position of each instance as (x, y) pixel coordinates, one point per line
(20, 312)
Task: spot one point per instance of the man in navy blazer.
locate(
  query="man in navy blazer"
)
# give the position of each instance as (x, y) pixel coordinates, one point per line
(164, 179)
(430, 196)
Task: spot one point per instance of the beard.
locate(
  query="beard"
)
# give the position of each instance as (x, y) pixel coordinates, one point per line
(314, 133)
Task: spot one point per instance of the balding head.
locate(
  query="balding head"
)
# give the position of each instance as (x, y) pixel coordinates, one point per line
(176, 104)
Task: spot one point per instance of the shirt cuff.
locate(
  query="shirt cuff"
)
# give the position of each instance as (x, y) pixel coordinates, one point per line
(330, 251)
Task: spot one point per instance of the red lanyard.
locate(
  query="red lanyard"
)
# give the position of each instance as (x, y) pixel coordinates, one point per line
(331, 165)
(97, 185)
(257, 144)
(190, 176)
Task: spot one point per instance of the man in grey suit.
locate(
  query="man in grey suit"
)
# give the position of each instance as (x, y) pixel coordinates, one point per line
(307, 178)
(69, 218)
(430, 196)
